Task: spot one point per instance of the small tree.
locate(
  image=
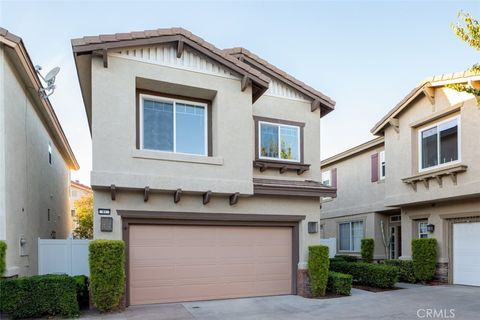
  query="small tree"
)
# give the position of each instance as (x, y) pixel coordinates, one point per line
(318, 264)
(368, 245)
(468, 30)
(84, 212)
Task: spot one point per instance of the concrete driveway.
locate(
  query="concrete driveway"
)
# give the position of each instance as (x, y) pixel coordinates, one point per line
(414, 302)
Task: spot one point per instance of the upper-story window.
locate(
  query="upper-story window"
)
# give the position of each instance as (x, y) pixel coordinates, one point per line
(382, 166)
(173, 125)
(279, 142)
(439, 144)
(327, 178)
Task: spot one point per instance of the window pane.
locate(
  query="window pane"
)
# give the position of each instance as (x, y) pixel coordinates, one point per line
(357, 234)
(190, 129)
(327, 178)
(269, 140)
(448, 141)
(344, 230)
(429, 148)
(157, 125)
(289, 143)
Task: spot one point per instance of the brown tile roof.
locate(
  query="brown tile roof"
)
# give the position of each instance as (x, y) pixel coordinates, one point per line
(292, 187)
(282, 75)
(434, 81)
(44, 106)
(91, 43)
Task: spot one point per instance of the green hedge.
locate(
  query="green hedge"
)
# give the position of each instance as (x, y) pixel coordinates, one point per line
(107, 273)
(339, 283)
(318, 264)
(3, 253)
(38, 296)
(405, 267)
(424, 256)
(367, 246)
(82, 290)
(369, 274)
(346, 258)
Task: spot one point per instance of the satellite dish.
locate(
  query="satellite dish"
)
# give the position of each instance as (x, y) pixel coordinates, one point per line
(50, 77)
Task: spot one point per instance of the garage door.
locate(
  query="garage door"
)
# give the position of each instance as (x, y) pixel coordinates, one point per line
(466, 253)
(186, 263)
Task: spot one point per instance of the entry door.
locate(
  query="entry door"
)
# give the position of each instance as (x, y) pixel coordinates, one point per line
(185, 263)
(466, 253)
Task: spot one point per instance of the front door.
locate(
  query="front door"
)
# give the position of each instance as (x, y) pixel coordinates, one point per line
(395, 249)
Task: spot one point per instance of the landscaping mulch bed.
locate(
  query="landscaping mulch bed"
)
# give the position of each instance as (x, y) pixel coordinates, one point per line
(373, 289)
(434, 283)
(330, 295)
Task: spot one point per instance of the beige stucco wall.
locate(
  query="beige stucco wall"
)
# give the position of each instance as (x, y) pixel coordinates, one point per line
(403, 147)
(32, 185)
(116, 160)
(438, 215)
(371, 228)
(356, 193)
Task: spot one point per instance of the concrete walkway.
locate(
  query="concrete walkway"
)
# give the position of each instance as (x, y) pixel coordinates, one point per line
(413, 302)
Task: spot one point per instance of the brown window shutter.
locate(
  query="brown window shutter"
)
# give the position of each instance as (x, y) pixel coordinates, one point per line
(334, 177)
(374, 167)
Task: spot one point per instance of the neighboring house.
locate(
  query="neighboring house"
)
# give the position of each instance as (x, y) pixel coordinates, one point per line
(432, 176)
(35, 161)
(359, 211)
(205, 162)
(77, 191)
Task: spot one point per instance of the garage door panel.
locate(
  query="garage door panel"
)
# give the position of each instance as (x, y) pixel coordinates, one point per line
(466, 253)
(188, 263)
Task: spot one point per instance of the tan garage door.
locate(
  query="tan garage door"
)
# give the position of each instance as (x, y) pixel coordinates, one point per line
(187, 263)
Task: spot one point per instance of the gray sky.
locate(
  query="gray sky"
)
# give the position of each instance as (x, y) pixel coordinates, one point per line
(365, 55)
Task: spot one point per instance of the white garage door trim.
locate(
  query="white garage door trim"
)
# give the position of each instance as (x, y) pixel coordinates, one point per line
(466, 253)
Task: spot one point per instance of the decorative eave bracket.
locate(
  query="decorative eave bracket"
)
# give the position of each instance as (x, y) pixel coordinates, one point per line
(395, 123)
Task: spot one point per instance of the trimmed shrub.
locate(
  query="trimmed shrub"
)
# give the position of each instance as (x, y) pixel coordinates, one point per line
(38, 296)
(367, 246)
(424, 257)
(405, 267)
(3, 253)
(339, 283)
(82, 290)
(369, 274)
(346, 258)
(107, 273)
(318, 264)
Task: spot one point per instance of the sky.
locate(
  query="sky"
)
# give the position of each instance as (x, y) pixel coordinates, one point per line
(365, 55)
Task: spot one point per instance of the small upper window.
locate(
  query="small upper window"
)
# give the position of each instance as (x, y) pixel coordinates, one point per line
(173, 125)
(49, 153)
(279, 142)
(382, 165)
(439, 144)
(327, 178)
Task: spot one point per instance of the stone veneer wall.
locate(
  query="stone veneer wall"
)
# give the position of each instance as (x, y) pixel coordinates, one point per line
(441, 273)
(303, 284)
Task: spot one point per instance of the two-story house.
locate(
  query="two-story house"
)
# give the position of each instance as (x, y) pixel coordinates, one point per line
(35, 161)
(205, 162)
(358, 211)
(432, 174)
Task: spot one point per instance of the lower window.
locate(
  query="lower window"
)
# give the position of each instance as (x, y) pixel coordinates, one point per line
(350, 235)
(422, 229)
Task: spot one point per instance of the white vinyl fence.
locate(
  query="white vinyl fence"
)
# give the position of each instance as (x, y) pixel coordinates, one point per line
(68, 256)
(331, 243)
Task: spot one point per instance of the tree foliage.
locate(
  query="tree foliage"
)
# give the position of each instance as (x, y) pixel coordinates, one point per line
(84, 212)
(468, 30)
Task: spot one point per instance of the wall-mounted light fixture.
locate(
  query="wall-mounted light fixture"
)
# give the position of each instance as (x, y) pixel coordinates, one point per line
(430, 228)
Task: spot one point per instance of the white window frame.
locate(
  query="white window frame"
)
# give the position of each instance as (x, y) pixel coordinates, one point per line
(420, 229)
(351, 234)
(144, 97)
(459, 144)
(381, 162)
(329, 173)
(279, 142)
